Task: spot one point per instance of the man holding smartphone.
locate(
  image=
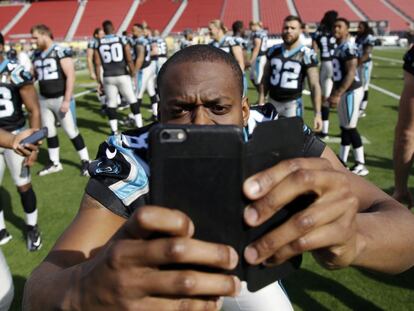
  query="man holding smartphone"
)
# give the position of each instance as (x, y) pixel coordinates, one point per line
(16, 90)
(106, 259)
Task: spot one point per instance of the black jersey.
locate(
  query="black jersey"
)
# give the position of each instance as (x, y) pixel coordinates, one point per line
(120, 174)
(111, 51)
(362, 43)
(409, 61)
(262, 36)
(343, 53)
(91, 43)
(326, 43)
(288, 70)
(226, 44)
(146, 44)
(12, 78)
(49, 72)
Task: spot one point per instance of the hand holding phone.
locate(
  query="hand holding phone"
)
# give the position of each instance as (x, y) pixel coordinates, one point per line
(35, 137)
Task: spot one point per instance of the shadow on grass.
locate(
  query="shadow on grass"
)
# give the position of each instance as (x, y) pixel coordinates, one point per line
(6, 203)
(379, 161)
(403, 280)
(304, 280)
(18, 282)
(43, 158)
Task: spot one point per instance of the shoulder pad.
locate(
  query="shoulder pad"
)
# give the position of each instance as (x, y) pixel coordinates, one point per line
(19, 76)
(63, 52)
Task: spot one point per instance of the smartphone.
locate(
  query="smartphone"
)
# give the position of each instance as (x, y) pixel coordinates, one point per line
(35, 137)
(198, 170)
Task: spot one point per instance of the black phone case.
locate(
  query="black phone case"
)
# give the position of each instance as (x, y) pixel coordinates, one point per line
(203, 176)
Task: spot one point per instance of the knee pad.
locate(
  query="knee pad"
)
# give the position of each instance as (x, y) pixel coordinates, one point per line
(345, 137)
(325, 113)
(53, 142)
(136, 107)
(111, 112)
(28, 199)
(355, 138)
(78, 142)
(154, 99)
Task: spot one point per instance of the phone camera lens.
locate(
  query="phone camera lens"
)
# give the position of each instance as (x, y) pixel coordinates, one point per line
(165, 135)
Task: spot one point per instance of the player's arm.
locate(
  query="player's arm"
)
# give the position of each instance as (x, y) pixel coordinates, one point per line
(315, 46)
(316, 94)
(128, 58)
(89, 59)
(351, 222)
(140, 52)
(266, 77)
(103, 260)
(256, 49)
(11, 141)
(68, 68)
(404, 141)
(367, 50)
(351, 68)
(238, 55)
(98, 66)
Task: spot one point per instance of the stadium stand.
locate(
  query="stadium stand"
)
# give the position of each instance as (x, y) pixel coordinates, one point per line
(157, 13)
(406, 7)
(314, 12)
(58, 15)
(377, 10)
(97, 11)
(7, 13)
(237, 10)
(198, 13)
(272, 14)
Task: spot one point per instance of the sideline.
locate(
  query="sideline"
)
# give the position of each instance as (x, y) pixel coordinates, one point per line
(398, 61)
(83, 93)
(384, 91)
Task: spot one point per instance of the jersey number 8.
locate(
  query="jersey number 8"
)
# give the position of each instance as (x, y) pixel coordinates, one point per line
(337, 74)
(6, 105)
(111, 53)
(285, 75)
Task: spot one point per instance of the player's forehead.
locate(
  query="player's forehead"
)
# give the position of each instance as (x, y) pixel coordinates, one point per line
(292, 24)
(205, 79)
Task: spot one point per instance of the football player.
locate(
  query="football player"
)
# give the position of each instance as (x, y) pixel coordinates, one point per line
(55, 71)
(187, 40)
(365, 42)
(347, 95)
(145, 77)
(162, 49)
(16, 90)
(287, 66)
(113, 56)
(258, 57)
(324, 41)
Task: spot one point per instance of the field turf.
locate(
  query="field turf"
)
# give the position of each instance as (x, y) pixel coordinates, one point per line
(311, 288)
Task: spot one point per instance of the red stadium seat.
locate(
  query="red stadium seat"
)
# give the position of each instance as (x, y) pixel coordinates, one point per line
(58, 15)
(407, 7)
(237, 10)
(157, 13)
(315, 12)
(7, 13)
(273, 13)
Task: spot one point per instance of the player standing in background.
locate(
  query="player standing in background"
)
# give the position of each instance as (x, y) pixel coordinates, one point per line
(162, 50)
(113, 56)
(187, 40)
(324, 41)
(97, 34)
(226, 43)
(287, 66)
(55, 71)
(404, 134)
(145, 77)
(365, 42)
(347, 95)
(258, 58)
(16, 89)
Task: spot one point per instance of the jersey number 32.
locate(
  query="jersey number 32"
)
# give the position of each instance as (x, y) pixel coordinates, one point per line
(285, 75)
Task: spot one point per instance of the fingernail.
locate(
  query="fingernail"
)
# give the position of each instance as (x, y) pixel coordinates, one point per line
(251, 255)
(251, 215)
(237, 284)
(234, 258)
(252, 186)
(191, 229)
(219, 303)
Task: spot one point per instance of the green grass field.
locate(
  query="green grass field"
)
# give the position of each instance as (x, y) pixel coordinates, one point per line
(311, 288)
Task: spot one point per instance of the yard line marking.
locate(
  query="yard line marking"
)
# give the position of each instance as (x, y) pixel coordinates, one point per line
(384, 91)
(83, 93)
(398, 61)
(337, 140)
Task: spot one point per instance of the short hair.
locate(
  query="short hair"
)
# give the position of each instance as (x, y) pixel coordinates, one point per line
(96, 32)
(140, 26)
(218, 24)
(42, 29)
(291, 18)
(237, 27)
(108, 27)
(203, 53)
(344, 20)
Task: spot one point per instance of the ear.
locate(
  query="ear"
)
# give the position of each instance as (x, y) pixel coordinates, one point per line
(245, 110)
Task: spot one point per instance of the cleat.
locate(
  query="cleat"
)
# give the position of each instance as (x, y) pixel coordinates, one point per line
(5, 236)
(362, 114)
(34, 240)
(84, 168)
(360, 169)
(50, 168)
